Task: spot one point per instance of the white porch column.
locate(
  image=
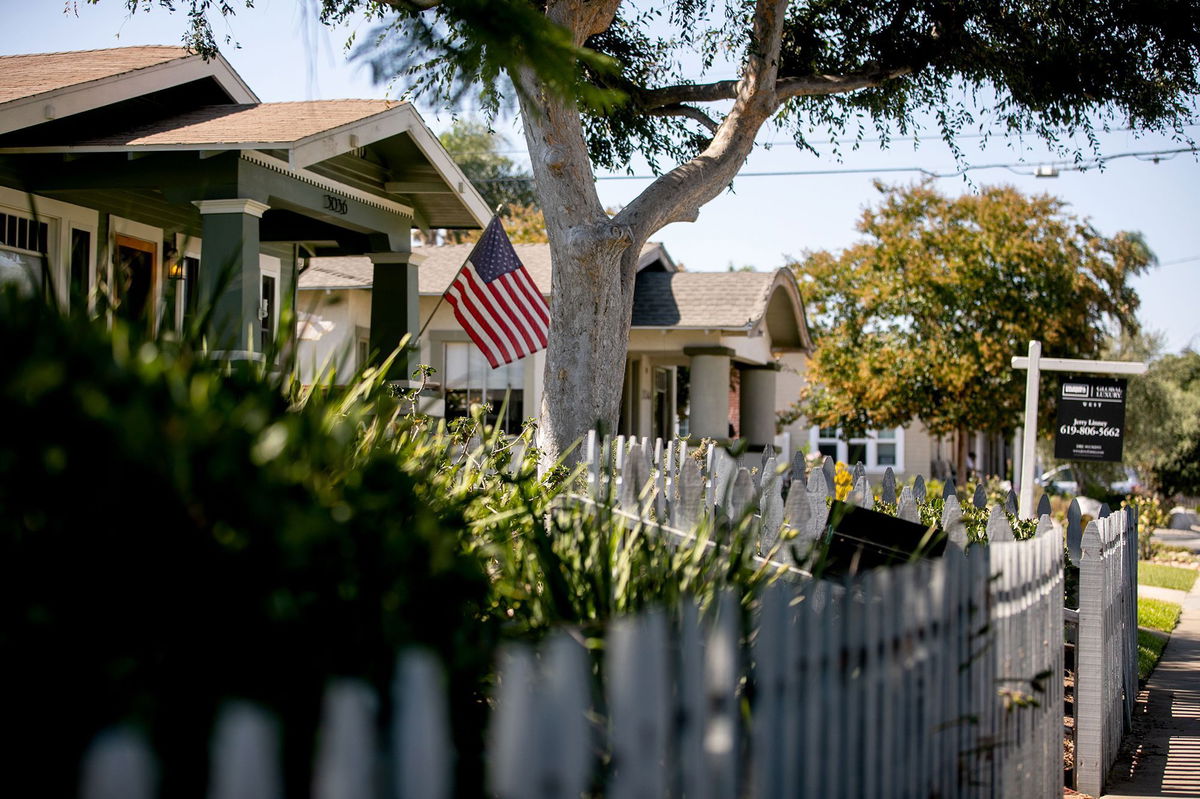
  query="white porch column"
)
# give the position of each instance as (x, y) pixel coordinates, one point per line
(709, 391)
(757, 412)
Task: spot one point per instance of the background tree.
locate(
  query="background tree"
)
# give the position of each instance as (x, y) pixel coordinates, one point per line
(921, 319)
(502, 182)
(598, 81)
(1162, 418)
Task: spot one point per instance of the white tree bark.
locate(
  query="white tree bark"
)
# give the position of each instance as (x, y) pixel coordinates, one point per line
(595, 257)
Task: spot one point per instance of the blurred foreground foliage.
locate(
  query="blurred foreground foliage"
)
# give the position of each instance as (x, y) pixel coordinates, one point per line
(176, 532)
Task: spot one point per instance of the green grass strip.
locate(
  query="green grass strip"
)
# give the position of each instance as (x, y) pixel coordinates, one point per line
(1158, 614)
(1150, 647)
(1165, 576)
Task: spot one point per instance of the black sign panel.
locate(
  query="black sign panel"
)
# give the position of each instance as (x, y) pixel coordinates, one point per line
(1091, 419)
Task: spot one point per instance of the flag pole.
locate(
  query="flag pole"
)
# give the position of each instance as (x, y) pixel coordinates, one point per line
(442, 298)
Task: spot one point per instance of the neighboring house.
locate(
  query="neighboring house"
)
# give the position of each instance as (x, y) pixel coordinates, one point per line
(156, 182)
(710, 353)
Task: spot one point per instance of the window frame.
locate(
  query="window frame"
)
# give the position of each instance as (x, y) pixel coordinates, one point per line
(871, 441)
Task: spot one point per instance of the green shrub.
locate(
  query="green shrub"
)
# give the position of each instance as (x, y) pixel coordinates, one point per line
(172, 536)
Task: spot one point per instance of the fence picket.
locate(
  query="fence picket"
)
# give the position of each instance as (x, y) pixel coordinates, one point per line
(118, 765)
(346, 747)
(638, 692)
(245, 755)
(420, 729)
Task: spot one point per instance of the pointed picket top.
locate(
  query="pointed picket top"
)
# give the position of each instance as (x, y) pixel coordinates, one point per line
(907, 509)
(1091, 545)
(1074, 532)
(796, 510)
(828, 470)
(862, 495)
(245, 755)
(725, 468)
(920, 492)
(1104, 511)
(998, 527)
(118, 765)
(952, 521)
(817, 482)
(345, 757)
(770, 504)
(767, 454)
(421, 755)
(741, 495)
(948, 490)
(799, 471)
(689, 506)
(1011, 503)
(887, 491)
(858, 472)
(979, 498)
(1045, 526)
(631, 482)
(906, 491)
(1043, 506)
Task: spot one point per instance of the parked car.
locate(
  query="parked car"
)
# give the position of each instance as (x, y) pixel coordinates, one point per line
(1062, 480)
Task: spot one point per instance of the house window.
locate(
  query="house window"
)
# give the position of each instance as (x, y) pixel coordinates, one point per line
(267, 312)
(24, 247)
(877, 450)
(80, 266)
(468, 379)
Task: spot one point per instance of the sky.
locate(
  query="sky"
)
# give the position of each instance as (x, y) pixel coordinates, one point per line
(284, 55)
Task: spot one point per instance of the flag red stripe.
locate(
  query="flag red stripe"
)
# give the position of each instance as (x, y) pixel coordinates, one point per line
(526, 322)
(484, 296)
(514, 314)
(476, 325)
(533, 295)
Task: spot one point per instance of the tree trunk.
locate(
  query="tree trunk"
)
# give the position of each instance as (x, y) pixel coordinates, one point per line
(595, 263)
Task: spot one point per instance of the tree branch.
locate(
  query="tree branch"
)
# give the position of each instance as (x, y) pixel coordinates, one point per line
(689, 111)
(584, 18)
(811, 85)
(676, 195)
(785, 88)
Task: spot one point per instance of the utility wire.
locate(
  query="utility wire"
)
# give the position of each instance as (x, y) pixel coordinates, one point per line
(826, 142)
(1060, 166)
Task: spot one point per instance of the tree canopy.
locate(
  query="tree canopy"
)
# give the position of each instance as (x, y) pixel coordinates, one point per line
(502, 182)
(921, 318)
(600, 81)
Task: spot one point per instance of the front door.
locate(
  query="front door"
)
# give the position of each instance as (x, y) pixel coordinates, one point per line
(136, 278)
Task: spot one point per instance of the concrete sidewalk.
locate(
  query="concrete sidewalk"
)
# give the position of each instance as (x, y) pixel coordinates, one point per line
(1161, 755)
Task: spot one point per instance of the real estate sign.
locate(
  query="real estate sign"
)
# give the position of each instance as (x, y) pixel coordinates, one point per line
(1091, 418)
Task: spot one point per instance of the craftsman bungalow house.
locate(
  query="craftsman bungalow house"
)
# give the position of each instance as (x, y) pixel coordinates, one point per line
(148, 182)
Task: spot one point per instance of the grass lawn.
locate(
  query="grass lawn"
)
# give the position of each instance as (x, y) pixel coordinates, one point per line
(1157, 614)
(1165, 576)
(1150, 647)
(1154, 614)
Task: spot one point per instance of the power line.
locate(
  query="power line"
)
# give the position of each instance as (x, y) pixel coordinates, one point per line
(826, 142)
(1059, 166)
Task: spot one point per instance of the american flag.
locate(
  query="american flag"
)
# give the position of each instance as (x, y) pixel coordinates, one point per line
(496, 301)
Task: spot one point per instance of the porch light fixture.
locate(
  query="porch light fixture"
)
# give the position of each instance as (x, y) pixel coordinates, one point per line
(174, 264)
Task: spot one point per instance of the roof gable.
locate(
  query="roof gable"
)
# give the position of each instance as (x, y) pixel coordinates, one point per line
(38, 87)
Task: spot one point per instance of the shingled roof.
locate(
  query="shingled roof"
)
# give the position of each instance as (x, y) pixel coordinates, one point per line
(39, 73)
(441, 264)
(261, 123)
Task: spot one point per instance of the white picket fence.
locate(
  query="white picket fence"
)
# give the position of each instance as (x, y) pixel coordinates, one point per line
(1106, 649)
(912, 681)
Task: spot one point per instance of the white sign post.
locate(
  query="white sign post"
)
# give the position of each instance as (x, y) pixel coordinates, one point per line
(1035, 364)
